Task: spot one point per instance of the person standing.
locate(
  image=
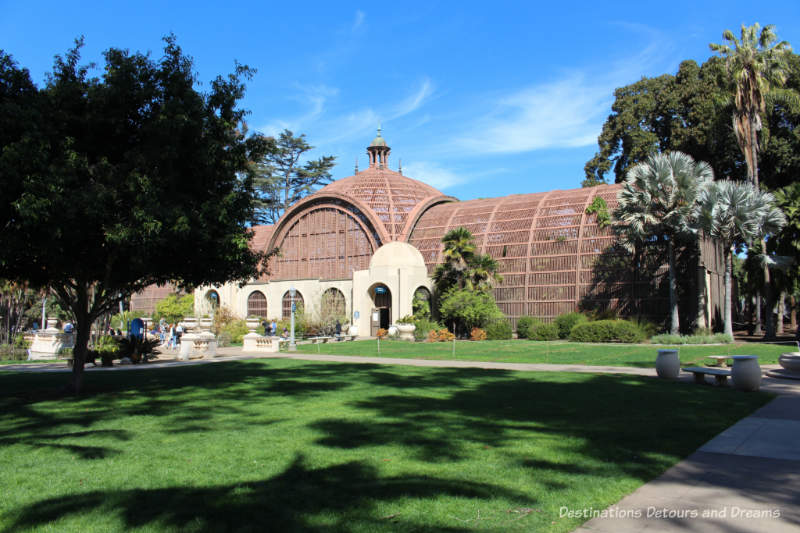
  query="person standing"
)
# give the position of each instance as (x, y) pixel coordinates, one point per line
(274, 327)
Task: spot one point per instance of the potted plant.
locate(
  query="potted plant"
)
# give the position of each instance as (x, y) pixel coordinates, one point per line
(406, 328)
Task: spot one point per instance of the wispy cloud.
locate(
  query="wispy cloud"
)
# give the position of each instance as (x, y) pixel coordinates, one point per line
(415, 100)
(564, 112)
(359, 20)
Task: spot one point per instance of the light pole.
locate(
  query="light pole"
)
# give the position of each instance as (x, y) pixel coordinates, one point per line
(292, 345)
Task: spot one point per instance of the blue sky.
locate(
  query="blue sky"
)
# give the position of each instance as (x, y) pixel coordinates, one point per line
(478, 99)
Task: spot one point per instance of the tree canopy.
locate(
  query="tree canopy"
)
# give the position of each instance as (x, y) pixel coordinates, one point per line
(691, 112)
(116, 182)
(281, 178)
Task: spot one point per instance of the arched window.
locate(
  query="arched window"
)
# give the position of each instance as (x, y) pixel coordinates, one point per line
(421, 305)
(212, 298)
(257, 304)
(287, 303)
(333, 303)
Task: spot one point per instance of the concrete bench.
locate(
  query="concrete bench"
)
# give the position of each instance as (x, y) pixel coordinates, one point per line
(315, 340)
(700, 372)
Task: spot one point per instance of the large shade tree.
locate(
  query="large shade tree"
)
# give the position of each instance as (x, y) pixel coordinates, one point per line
(735, 214)
(116, 182)
(656, 202)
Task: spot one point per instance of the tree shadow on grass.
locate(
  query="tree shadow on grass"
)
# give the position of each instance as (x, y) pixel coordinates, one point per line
(341, 497)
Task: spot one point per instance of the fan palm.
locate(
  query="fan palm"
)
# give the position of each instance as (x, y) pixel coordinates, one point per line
(734, 214)
(656, 201)
(756, 62)
(483, 273)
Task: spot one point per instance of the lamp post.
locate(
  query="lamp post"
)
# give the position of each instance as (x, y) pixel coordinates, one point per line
(292, 345)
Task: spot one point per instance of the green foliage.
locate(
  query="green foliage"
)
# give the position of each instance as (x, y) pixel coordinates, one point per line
(719, 338)
(607, 331)
(524, 324)
(544, 332)
(138, 350)
(10, 352)
(468, 309)
(124, 318)
(424, 326)
(94, 171)
(174, 308)
(498, 330)
(421, 306)
(566, 321)
(599, 207)
(462, 267)
(280, 180)
(408, 319)
(232, 332)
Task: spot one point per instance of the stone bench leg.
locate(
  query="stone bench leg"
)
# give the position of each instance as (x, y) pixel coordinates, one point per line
(721, 380)
(699, 378)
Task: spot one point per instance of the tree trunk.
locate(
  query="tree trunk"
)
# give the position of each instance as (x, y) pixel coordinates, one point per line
(781, 307)
(728, 253)
(83, 327)
(674, 326)
(757, 307)
(769, 303)
(792, 313)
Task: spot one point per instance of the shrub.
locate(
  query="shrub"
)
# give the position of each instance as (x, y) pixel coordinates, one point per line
(424, 326)
(524, 324)
(174, 308)
(722, 338)
(499, 330)
(477, 334)
(381, 333)
(607, 331)
(408, 319)
(468, 309)
(234, 332)
(543, 332)
(441, 335)
(719, 338)
(565, 322)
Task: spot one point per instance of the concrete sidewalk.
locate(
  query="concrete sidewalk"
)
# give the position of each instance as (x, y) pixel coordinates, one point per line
(747, 478)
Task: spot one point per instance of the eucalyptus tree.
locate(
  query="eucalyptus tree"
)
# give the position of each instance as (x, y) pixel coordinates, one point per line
(656, 201)
(735, 214)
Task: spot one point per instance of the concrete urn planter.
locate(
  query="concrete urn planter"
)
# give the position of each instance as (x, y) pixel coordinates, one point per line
(746, 373)
(252, 324)
(392, 331)
(406, 331)
(668, 364)
(790, 361)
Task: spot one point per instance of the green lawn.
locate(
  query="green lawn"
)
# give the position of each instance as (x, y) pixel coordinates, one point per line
(283, 445)
(558, 352)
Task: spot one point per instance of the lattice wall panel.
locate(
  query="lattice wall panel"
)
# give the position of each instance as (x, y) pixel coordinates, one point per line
(550, 251)
(324, 243)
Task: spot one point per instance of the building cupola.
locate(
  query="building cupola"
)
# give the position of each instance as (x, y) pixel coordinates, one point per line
(378, 152)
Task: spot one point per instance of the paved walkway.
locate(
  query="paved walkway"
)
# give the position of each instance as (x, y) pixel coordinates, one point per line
(745, 479)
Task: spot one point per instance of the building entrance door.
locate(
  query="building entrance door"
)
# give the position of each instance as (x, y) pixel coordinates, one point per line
(381, 316)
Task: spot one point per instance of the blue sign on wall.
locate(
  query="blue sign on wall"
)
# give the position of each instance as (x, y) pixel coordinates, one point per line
(356, 315)
(380, 290)
(294, 307)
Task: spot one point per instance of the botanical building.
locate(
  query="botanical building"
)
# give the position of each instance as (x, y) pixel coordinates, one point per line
(367, 243)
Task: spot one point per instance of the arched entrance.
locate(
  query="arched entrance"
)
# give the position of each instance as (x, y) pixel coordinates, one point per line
(381, 315)
(212, 300)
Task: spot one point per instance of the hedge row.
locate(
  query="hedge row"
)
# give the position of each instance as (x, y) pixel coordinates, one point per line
(607, 331)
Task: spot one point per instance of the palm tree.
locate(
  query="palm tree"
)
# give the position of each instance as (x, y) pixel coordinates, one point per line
(656, 200)
(458, 253)
(736, 213)
(483, 273)
(756, 62)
